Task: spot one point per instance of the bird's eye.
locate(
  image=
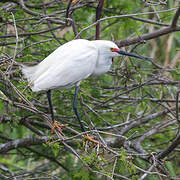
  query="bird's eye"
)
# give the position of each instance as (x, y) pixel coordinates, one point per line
(112, 49)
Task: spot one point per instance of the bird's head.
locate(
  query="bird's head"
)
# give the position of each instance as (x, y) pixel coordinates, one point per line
(109, 48)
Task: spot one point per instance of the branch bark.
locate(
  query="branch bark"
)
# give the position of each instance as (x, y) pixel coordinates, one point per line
(25, 142)
(175, 19)
(169, 149)
(98, 16)
(156, 34)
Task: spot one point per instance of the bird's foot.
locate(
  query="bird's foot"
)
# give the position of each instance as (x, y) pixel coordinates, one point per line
(58, 126)
(73, 1)
(90, 138)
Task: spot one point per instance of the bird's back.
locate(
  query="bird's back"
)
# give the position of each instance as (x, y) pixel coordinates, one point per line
(66, 66)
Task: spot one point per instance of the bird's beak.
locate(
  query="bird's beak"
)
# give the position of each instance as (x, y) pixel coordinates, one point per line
(130, 54)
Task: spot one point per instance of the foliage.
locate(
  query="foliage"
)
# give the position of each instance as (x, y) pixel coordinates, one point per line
(133, 108)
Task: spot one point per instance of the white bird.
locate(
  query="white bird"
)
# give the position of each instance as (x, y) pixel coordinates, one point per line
(69, 64)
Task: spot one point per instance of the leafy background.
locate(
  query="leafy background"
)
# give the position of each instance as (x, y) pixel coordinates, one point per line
(133, 107)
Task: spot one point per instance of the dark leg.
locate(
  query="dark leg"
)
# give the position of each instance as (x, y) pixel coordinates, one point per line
(54, 123)
(86, 137)
(75, 108)
(50, 104)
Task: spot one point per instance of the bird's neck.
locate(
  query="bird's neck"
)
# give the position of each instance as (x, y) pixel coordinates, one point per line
(103, 65)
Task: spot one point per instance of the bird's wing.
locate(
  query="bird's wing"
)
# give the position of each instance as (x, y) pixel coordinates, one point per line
(66, 66)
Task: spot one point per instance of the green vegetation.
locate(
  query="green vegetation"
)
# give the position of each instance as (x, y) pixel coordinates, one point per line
(134, 107)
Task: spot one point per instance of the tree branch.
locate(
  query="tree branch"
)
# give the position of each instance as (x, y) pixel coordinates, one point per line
(32, 33)
(21, 143)
(175, 19)
(158, 33)
(169, 149)
(98, 16)
(21, 2)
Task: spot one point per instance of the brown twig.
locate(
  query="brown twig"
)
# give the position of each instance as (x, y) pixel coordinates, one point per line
(98, 16)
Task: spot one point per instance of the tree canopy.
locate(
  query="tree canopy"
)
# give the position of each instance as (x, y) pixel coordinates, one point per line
(132, 111)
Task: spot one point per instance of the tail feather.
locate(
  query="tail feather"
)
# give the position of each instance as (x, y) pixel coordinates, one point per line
(28, 72)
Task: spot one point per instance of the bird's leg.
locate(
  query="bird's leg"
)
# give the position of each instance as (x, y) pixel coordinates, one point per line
(50, 104)
(75, 108)
(86, 137)
(55, 124)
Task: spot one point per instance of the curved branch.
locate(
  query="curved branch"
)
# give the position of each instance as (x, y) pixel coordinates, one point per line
(119, 16)
(21, 2)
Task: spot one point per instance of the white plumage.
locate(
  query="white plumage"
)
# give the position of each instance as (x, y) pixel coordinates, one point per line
(71, 63)
(68, 65)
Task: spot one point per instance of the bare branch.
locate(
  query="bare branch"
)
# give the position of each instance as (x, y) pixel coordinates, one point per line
(98, 16)
(175, 19)
(119, 16)
(170, 148)
(21, 143)
(155, 34)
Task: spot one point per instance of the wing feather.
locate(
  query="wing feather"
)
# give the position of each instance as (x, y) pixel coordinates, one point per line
(66, 66)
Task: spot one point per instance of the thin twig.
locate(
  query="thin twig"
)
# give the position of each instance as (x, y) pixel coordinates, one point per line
(120, 16)
(15, 50)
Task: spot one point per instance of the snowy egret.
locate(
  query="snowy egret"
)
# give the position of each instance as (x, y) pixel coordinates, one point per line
(69, 64)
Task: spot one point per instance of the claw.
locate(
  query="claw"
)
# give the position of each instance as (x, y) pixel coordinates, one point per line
(73, 2)
(58, 126)
(90, 138)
